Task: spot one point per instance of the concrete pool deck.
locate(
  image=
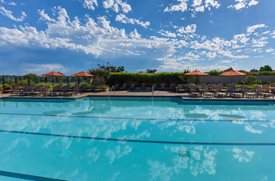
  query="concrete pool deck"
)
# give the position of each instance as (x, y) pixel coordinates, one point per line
(136, 94)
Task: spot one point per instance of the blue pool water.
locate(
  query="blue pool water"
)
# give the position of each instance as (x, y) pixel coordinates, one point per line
(136, 139)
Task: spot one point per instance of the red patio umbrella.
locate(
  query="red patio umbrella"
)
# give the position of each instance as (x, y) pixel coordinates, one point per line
(196, 73)
(82, 74)
(52, 74)
(232, 73)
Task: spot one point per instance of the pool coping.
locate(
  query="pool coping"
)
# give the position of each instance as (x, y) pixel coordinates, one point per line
(157, 94)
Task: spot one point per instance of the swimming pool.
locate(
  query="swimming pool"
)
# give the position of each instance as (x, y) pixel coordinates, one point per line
(120, 138)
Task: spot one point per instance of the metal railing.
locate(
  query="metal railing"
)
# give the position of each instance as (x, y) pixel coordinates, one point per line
(112, 89)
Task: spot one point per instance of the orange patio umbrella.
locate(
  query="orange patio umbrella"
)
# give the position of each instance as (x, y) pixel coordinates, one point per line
(52, 74)
(196, 73)
(82, 74)
(232, 73)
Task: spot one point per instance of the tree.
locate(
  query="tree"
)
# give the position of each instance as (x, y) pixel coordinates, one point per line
(100, 76)
(229, 69)
(111, 68)
(253, 70)
(151, 70)
(266, 68)
(30, 75)
(214, 72)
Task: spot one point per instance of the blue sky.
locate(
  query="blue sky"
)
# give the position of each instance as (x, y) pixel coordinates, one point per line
(72, 35)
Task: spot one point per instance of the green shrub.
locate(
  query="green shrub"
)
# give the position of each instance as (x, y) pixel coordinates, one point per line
(84, 85)
(149, 78)
(250, 80)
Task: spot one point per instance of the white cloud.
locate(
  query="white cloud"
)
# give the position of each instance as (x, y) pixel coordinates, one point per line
(44, 16)
(269, 50)
(135, 35)
(117, 6)
(251, 29)
(188, 29)
(94, 37)
(240, 4)
(181, 6)
(196, 6)
(124, 19)
(9, 14)
(12, 3)
(40, 68)
(167, 34)
(90, 4)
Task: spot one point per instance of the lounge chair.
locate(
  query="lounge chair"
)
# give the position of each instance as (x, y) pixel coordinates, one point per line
(163, 86)
(132, 86)
(116, 86)
(193, 91)
(231, 92)
(56, 90)
(180, 88)
(249, 94)
(123, 87)
(15, 91)
(27, 91)
(172, 87)
(219, 91)
(264, 91)
(46, 91)
(206, 92)
(37, 90)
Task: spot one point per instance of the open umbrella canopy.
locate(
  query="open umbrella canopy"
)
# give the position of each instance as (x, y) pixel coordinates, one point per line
(82, 74)
(196, 73)
(53, 74)
(232, 73)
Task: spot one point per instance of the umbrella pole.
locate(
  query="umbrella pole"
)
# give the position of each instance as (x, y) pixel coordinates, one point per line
(3, 79)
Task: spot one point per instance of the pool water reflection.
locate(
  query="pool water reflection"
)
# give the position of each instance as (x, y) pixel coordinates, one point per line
(137, 138)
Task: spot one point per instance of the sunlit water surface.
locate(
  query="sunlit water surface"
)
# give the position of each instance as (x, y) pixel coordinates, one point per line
(137, 138)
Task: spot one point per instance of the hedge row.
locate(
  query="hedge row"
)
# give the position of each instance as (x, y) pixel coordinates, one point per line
(163, 77)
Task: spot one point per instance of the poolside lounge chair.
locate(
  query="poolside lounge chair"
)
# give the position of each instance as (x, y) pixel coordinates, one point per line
(46, 91)
(76, 90)
(172, 87)
(219, 91)
(27, 91)
(249, 94)
(66, 91)
(180, 88)
(163, 86)
(116, 86)
(56, 90)
(37, 90)
(132, 86)
(15, 90)
(193, 91)
(206, 92)
(123, 87)
(263, 91)
(231, 92)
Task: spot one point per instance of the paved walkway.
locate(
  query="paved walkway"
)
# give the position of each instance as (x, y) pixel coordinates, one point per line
(117, 93)
(136, 94)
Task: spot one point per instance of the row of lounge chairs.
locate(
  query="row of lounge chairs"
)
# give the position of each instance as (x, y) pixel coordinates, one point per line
(210, 91)
(57, 90)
